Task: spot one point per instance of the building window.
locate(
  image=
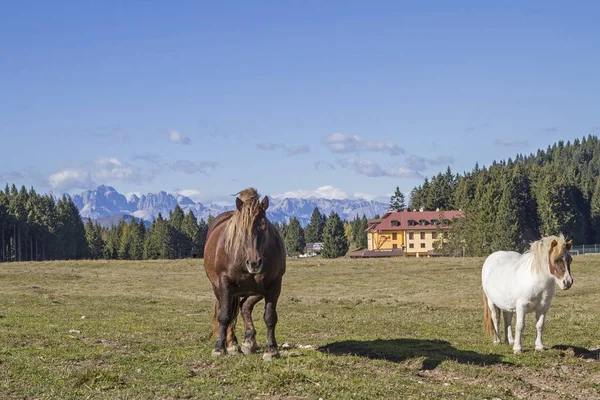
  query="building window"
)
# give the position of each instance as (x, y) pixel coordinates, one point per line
(395, 222)
(394, 246)
(411, 245)
(411, 235)
(422, 245)
(434, 235)
(394, 236)
(422, 235)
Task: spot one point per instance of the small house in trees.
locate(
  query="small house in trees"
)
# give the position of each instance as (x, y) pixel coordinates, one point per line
(411, 233)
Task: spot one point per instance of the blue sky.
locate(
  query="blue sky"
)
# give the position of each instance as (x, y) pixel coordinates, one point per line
(335, 98)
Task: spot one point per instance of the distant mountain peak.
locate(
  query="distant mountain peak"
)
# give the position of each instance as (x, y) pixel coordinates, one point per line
(105, 201)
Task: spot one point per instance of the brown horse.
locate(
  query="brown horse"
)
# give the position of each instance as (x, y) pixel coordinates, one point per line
(244, 258)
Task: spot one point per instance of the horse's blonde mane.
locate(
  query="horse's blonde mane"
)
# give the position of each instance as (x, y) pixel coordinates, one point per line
(239, 226)
(540, 250)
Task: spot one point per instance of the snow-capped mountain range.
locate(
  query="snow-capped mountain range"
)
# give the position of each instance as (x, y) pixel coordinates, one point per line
(105, 201)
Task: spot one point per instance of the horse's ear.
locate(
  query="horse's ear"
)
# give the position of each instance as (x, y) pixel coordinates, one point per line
(553, 244)
(264, 204)
(569, 243)
(239, 203)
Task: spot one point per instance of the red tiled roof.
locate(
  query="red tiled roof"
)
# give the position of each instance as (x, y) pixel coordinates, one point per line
(404, 216)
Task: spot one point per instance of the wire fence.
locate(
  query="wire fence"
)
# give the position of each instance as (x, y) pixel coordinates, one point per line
(585, 249)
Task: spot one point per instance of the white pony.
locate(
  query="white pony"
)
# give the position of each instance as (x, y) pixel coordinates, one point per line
(524, 283)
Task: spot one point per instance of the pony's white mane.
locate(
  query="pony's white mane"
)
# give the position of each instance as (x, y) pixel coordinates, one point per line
(537, 255)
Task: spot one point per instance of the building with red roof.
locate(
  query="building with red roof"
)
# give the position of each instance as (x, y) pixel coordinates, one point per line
(412, 233)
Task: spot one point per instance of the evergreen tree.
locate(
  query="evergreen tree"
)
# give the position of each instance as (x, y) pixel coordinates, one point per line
(125, 239)
(94, 240)
(314, 230)
(191, 236)
(507, 226)
(294, 238)
(160, 240)
(203, 231)
(397, 202)
(70, 231)
(335, 243)
(595, 211)
(137, 235)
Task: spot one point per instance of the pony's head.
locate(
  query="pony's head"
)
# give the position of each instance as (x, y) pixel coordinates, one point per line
(247, 230)
(559, 260)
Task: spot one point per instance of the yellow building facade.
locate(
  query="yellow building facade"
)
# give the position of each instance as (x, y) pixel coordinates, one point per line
(415, 233)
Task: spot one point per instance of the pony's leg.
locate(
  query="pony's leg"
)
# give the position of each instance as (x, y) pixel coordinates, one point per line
(540, 317)
(508, 337)
(520, 325)
(225, 318)
(495, 311)
(249, 345)
(232, 343)
(271, 320)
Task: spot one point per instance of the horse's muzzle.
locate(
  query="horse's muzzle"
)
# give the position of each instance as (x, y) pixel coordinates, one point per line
(566, 283)
(254, 267)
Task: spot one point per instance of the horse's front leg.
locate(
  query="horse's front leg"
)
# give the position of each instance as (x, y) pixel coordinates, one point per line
(271, 320)
(224, 318)
(249, 345)
(540, 317)
(519, 326)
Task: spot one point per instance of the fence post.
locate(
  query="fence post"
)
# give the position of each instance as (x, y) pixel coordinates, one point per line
(583, 249)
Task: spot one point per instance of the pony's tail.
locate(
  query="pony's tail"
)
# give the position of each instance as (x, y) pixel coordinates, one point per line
(215, 316)
(488, 324)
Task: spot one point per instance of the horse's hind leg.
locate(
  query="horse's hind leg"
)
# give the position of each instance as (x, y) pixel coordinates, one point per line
(232, 343)
(249, 345)
(495, 311)
(540, 316)
(508, 337)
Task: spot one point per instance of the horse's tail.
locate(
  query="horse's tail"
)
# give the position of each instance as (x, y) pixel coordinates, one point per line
(488, 324)
(235, 310)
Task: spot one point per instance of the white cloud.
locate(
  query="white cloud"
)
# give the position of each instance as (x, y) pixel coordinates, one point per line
(419, 163)
(24, 176)
(290, 150)
(510, 142)
(324, 192)
(109, 169)
(190, 167)
(178, 138)
(193, 194)
(341, 143)
(372, 169)
(71, 179)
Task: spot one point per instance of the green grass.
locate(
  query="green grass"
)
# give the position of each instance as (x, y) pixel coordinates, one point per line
(395, 328)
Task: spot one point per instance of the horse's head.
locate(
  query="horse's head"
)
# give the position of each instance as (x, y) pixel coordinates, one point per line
(247, 231)
(559, 262)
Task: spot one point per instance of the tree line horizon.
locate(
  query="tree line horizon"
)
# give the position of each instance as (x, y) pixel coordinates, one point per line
(506, 205)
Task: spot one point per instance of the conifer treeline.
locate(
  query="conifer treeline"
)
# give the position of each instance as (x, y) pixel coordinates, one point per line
(510, 203)
(37, 227)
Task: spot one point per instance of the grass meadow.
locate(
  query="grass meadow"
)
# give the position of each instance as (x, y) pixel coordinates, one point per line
(348, 329)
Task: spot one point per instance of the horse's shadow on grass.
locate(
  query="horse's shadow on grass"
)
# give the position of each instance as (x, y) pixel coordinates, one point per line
(401, 350)
(580, 352)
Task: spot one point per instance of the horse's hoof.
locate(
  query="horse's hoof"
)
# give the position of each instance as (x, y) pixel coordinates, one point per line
(517, 351)
(249, 348)
(542, 348)
(270, 356)
(218, 352)
(233, 350)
